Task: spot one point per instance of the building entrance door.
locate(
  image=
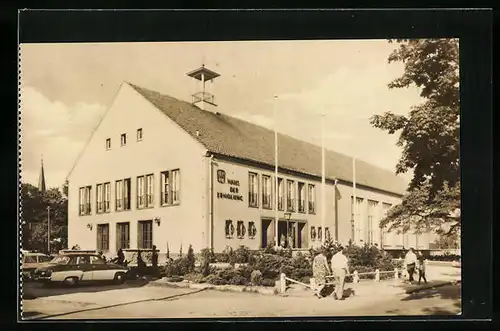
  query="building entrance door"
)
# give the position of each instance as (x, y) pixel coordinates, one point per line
(267, 233)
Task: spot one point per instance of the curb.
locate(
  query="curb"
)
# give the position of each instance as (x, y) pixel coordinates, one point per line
(444, 283)
(221, 288)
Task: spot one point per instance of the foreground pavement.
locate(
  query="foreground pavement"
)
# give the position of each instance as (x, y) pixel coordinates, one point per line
(189, 303)
(143, 299)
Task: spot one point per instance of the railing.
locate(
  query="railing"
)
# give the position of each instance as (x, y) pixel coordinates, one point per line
(311, 207)
(355, 276)
(204, 96)
(280, 203)
(302, 206)
(266, 201)
(252, 199)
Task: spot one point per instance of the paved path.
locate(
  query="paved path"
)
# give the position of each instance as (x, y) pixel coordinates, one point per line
(444, 300)
(371, 298)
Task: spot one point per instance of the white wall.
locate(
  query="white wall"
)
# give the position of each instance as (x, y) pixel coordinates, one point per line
(164, 147)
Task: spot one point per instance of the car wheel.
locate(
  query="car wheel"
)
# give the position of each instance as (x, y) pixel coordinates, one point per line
(120, 278)
(71, 281)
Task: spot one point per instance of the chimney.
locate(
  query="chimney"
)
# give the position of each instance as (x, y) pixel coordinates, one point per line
(201, 97)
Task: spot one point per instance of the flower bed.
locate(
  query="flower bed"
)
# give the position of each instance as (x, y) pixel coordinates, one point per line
(262, 268)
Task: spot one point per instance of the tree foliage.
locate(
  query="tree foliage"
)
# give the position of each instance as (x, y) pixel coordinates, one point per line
(429, 134)
(34, 214)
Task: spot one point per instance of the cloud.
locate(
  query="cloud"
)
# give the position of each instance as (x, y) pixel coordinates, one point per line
(56, 130)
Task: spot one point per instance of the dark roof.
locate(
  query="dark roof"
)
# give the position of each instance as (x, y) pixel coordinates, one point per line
(233, 137)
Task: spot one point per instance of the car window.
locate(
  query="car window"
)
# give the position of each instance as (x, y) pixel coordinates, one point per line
(84, 260)
(30, 259)
(43, 258)
(60, 260)
(97, 260)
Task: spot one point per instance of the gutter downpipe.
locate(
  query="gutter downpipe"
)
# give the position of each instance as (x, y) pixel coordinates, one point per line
(210, 201)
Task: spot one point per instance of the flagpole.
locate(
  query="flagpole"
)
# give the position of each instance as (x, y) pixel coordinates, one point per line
(323, 191)
(275, 173)
(354, 202)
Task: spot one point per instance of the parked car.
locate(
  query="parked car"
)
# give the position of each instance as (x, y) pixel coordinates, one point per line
(78, 267)
(31, 261)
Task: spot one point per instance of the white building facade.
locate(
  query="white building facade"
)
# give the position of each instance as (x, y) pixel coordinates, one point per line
(160, 171)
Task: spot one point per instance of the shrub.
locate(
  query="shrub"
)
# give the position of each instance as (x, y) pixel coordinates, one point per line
(190, 259)
(230, 276)
(256, 277)
(268, 282)
(445, 257)
(242, 254)
(180, 266)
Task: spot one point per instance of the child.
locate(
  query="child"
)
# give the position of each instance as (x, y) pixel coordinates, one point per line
(421, 267)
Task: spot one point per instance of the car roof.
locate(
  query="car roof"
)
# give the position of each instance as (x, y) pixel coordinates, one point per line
(34, 254)
(78, 253)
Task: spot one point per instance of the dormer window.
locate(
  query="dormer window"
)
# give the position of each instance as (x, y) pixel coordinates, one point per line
(139, 134)
(124, 139)
(108, 144)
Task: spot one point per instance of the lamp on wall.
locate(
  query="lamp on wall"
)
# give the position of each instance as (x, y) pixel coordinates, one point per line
(89, 226)
(157, 221)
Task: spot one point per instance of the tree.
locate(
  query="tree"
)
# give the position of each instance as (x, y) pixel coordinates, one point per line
(429, 135)
(34, 218)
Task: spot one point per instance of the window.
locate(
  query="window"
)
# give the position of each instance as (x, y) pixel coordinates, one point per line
(290, 195)
(145, 234)
(327, 233)
(302, 198)
(240, 229)
(149, 190)
(122, 192)
(253, 190)
(99, 207)
(266, 192)
(313, 233)
(96, 260)
(311, 199)
(252, 230)
(108, 144)
(85, 198)
(145, 191)
(320, 233)
(103, 237)
(30, 259)
(384, 233)
(372, 205)
(123, 139)
(122, 235)
(281, 194)
(355, 213)
(229, 229)
(42, 258)
(85, 259)
(169, 187)
(103, 197)
(139, 134)
(107, 197)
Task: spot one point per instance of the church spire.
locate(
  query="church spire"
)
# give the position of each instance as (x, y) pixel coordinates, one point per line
(41, 179)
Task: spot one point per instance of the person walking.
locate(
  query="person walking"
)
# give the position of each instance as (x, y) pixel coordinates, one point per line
(421, 267)
(340, 269)
(141, 265)
(120, 258)
(154, 261)
(320, 271)
(410, 263)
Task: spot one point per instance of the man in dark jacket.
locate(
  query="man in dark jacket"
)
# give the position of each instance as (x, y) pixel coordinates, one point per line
(154, 261)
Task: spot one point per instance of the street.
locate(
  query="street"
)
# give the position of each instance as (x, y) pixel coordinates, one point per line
(140, 300)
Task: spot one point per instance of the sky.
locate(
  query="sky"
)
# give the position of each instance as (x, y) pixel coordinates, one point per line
(67, 87)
